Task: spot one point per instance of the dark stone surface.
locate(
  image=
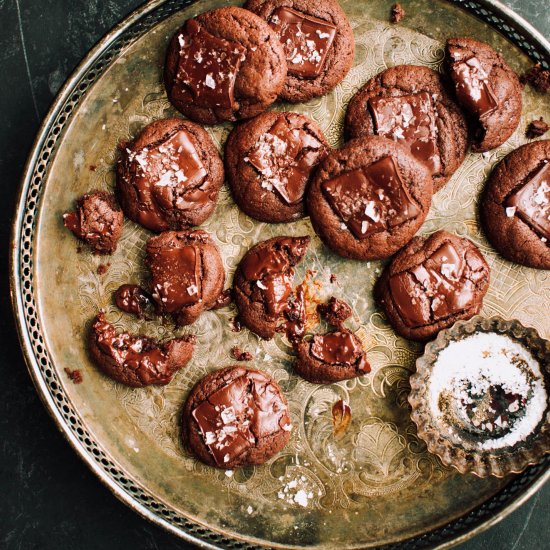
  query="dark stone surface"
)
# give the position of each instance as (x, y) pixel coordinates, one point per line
(50, 500)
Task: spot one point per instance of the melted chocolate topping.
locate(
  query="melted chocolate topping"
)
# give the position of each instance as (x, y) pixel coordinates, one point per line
(532, 201)
(132, 299)
(208, 67)
(472, 87)
(236, 416)
(285, 157)
(371, 199)
(306, 40)
(338, 348)
(410, 120)
(137, 353)
(439, 287)
(271, 270)
(168, 176)
(176, 273)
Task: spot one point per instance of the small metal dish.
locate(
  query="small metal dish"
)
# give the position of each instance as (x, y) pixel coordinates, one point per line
(469, 421)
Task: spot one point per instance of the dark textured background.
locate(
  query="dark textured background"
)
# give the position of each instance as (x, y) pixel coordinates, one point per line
(49, 500)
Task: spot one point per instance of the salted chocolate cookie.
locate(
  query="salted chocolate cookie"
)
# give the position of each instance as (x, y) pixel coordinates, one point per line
(328, 358)
(269, 161)
(169, 176)
(187, 274)
(97, 221)
(318, 43)
(431, 284)
(369, 198)
(411, 105)
(515, 206)
(487, 89)
(223, 65)
(137, 361)
(263, 287)
(235, 417)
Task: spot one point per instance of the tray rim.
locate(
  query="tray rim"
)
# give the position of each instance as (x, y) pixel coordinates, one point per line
(507, 15)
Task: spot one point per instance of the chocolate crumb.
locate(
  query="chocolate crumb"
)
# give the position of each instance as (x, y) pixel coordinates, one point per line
(536, 128)
(240, 355)
(397, 13)
(103, 268)
(236, 325)
(74, 375)
(335, 311)
(224, 299)
(538, 77)
(92, 167)
(333, 278)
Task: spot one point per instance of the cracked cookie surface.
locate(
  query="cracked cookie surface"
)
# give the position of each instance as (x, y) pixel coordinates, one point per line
(224, 65)
(515, 206)
(431, 284)
(411, 105)
(318, 43)
(187, 274)
(235, 417)
(269, 161)
(169, 176)
(369, 198)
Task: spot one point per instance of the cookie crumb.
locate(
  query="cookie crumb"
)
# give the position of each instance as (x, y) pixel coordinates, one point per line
(397, 13)
(240, 355)
(536, 128)
(538, 77)
(335, 311)
(236, 325)
(333, 278)
(74, 375)
(103, 268)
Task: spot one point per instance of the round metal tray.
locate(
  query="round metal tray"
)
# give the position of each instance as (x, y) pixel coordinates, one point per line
(385, 490)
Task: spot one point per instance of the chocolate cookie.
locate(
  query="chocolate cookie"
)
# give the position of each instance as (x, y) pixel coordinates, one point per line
(169, 176)
(488, 90)
(97, 221)
(515, 207)
(187, 274)
(269, 161)
(235, 417)
(335, 311)
(137, 361)
(369, 198)
(411, 105)
(225, 64)
(318, 43)
(431, 284)
(262, 286)
(332, 357)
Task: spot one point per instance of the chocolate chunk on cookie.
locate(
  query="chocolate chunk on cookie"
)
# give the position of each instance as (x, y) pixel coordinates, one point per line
(411, 105)
(515, 207)
(488, 90)
(369, 198)
(133, 299)
(328, 358)
(187, 274)
(269, 161)
(263, 286)
(97, 221)
(235, 417)
(226, 64)
(137, 361)
(431, 284)
(318, 43)
(169, 176)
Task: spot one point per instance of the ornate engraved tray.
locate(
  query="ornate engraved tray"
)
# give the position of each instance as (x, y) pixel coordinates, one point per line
(376, 487)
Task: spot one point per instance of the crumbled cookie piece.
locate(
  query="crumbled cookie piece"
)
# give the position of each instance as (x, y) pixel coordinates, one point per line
(397, 13)
(538, 77)
(335, 311)
(241, 355)
(536, 128)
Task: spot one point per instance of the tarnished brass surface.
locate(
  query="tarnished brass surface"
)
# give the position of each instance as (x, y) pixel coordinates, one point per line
(376, 485)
